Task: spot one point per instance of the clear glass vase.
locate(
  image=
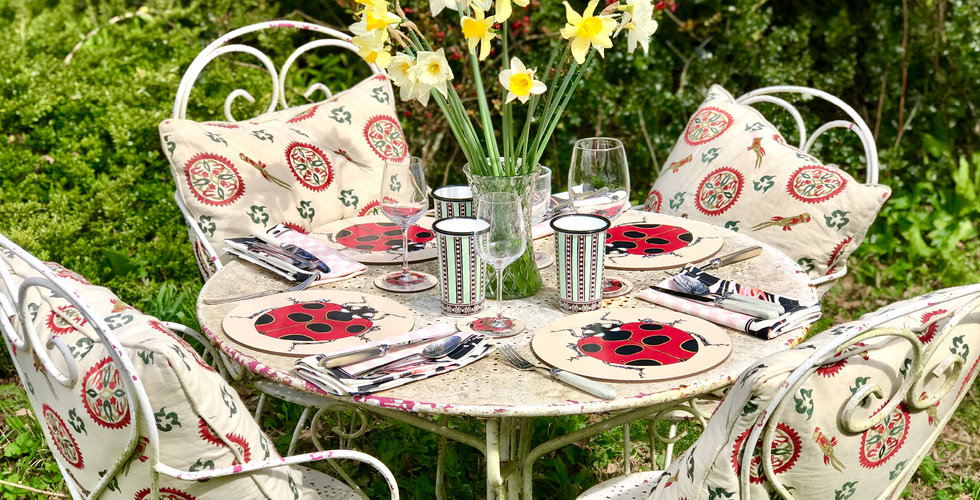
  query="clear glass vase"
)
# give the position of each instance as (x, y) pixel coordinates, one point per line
(521, 278)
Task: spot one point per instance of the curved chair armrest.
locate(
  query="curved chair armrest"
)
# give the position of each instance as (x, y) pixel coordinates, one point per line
(209, 350)
(290, 460)
(192, 224)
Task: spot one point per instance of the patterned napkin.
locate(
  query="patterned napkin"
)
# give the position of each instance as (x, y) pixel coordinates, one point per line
(338, 381)
(797, 315)
(340, 266)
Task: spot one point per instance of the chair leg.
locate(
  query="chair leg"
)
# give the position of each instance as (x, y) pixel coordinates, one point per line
(627, 448)
(258, 407)
(299, 427)
(441, 470)
(669, 452)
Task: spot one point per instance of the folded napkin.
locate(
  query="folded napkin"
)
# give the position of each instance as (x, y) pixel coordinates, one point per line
(797, 315)
(340, 382)
(340, 266)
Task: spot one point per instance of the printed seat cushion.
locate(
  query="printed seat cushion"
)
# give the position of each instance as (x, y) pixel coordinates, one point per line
(813, 456)
(732, 168)
(202, 422)
(289, 166)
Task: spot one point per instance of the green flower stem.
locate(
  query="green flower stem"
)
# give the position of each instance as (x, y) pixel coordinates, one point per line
(566, 97)
(507, 125)
(472, 141)
(543, 134)
(481, 98)
(459, 130)
(522, 145)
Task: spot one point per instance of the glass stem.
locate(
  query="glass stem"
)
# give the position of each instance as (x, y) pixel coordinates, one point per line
(405, 252)
(500, 292)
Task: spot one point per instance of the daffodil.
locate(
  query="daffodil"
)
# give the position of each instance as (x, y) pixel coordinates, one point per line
(638, 21)
(503, 9)
(372, 47)
(400, 70)
(431, 71)
(519, 81)
(437, 5)
(477, 30)
(587, 30)
(375, 18)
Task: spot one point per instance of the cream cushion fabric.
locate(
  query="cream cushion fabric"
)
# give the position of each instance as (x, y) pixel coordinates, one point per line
(732, 168)
(202, 422)
(288, 167)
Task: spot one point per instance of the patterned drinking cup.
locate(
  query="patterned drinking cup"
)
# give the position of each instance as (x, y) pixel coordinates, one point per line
(462, 273)
(453, 201)
(579, 250)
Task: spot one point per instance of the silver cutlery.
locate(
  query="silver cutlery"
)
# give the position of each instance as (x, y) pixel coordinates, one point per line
(299, 286)
(431, 352)
(733, 257)
(691, 286)
(599, 389)
(358, 355)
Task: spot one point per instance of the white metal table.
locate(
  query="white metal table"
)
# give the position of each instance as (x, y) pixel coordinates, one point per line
(507, 400)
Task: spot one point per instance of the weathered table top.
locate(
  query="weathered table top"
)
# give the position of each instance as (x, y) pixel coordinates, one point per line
(492, 388)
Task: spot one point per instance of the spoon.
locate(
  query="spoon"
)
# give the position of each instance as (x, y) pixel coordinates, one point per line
(431, 352)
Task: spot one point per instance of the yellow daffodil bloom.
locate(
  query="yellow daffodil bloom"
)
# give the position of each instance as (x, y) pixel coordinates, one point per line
(503, 9)
(638, 20)
(437, 5)
(587, 30)
(400, 70)
(519, 81)
(431, 71)
(374, 19)
(372, 47)
(477, 30)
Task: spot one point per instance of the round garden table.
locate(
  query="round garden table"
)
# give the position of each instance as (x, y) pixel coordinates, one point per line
(490, 391)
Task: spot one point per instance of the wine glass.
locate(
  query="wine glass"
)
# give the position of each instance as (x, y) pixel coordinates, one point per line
(599, 184)
(404, 199)
(540, 203)
(499, 245)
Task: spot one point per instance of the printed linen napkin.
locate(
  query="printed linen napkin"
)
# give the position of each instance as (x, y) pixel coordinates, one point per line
(797, 315)
(339, 380)
(340, 266)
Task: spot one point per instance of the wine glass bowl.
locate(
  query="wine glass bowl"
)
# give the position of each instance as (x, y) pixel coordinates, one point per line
(499, 245)
(404, 200)
(599, 184)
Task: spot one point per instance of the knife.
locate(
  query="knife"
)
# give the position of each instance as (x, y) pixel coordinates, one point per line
(358, 355)
(760, 310)
(733, 257)
(690, 284)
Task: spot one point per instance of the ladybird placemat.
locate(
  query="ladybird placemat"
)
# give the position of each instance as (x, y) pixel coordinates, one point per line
(376, 240)
(315, 321)
(646, 240)
(632, 344)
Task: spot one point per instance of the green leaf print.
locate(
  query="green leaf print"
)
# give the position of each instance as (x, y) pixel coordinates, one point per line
(845, 491)
(166, 421)
(804, 403)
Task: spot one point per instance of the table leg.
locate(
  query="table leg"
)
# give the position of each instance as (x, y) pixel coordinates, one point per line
(494, 481)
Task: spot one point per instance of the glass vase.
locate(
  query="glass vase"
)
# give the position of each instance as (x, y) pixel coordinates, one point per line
(521, 277)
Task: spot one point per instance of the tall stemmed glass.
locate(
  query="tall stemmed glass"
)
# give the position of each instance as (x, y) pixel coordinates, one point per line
(404, 199)
(499, 245)
(599, 184)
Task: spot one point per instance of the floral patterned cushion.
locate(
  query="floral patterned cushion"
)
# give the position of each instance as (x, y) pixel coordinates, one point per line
(813, 455)
(285, 167)
(732, 168)
(202, 422)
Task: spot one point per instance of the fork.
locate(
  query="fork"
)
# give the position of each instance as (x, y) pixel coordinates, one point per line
(299, 286)
(599, 389)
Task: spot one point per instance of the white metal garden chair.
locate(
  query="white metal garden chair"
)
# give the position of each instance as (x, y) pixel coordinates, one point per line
(907, 367)
(128, 409)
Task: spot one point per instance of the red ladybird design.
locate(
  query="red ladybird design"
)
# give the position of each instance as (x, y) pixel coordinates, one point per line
(213, 179)
(719, 190)
(315, 321)
(309, 165)
(382, 237)
(646, 239)
(640, 344)
(104, 397)
(815, 183)
(384, 136)
(707, 124)
(786, 447)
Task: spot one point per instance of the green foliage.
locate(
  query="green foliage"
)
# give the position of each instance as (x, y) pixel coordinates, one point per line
(25, 459)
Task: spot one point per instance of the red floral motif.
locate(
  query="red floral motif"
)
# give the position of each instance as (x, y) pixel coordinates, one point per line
(296, 227)
(372, 208)
(654, 201)
(706, 125)
(384, 136)
(213, 179)
(204, 262)
(63, 272)
(221, 125)
(815, 183)
(243, 448)
(930, 332)
(304, 115)
(309, 165)
(968, 378)
(719, 190)
(62, 438)
(207, 433)
(881, 442)
(786, 446)
(832, 261)
(831, 369)
(166, 493)
(59, 325)
(118, 306)
(104, 397)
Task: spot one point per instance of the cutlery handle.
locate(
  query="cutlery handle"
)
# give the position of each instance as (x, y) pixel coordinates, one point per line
(755, 310)
(592, 387)
(780, 310)
(354, 357)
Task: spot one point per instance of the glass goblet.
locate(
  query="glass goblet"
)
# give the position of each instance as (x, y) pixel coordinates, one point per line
(404, 199)
(499, 245)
